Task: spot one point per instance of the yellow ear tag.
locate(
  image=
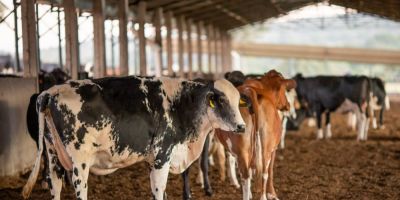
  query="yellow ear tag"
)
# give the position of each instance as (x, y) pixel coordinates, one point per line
(241, 102)
(212, 104)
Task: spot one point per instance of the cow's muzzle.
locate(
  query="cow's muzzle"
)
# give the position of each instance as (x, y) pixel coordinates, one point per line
(240, 128)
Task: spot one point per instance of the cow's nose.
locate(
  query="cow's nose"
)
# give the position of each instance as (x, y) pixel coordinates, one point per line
(240, 128)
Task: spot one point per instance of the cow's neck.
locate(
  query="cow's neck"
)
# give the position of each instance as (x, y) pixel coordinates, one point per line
(189, 110)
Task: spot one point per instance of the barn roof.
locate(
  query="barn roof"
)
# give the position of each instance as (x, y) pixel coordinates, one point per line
(230, 14)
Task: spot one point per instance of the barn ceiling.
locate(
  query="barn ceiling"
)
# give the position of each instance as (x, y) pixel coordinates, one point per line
(230, 14)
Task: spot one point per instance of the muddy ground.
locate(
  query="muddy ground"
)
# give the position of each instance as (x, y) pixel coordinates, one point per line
(340, 168)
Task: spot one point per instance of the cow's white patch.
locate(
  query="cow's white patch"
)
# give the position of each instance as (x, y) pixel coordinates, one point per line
(291, 96)
(142, 86)
(179, 158)
(328, 133)
(232, 170)
(146, 103)
(284, 122)
(158, 181)
(233, 96)
(311, 122)
(387, 102)
(229, 144)
(246, 183)
(320, 134)
(265, 176)
(171, 86)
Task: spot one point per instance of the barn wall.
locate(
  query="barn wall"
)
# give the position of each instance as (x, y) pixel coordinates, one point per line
(17, 149)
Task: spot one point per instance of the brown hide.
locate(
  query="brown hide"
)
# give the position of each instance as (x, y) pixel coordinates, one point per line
(267, 95)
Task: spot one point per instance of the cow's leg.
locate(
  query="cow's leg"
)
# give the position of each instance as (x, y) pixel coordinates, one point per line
(204, 167)
(373, 118)
(158, 179)
(55, 172)
(80, 174)
(320, 134)
(381, 117)
(270, 185)
(232, 170)
(265, 176)
(328, 132)
(244, 171)
(199, 178)
(186, 184)
(221, 161)
(284, 121)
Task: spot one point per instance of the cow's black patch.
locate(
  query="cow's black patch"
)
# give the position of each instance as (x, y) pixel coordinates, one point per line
(96, 145)
(78, 193)
(81, 134)
(77, 183)
(77, 145)
(76, 171)
(73, 84)
(83, 166)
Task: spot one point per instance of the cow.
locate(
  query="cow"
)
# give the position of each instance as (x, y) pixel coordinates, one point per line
(210, 147)
(379, 101)
(102, 125)
(326, 94)
(255, 150)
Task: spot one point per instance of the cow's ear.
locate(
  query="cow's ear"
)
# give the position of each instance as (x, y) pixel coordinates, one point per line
(290, 84)
(244, 101)
(211, 99)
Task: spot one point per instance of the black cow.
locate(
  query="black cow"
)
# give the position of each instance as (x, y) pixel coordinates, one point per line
(326, 94)
(105, 124)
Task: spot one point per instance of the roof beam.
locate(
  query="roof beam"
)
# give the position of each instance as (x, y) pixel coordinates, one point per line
(319, 53)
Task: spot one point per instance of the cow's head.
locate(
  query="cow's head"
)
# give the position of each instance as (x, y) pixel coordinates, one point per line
(279, 86)
(223, 107)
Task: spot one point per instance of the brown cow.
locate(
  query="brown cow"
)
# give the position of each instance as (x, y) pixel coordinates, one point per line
(255, 150)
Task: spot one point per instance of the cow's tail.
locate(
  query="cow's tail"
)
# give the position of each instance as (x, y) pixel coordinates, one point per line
(34, 174)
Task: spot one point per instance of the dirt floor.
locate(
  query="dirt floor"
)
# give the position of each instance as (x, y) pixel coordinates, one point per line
(340, 168)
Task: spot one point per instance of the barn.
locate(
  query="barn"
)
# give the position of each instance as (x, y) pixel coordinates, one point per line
(46, 42)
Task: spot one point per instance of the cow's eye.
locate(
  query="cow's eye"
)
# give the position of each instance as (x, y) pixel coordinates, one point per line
(221, 101)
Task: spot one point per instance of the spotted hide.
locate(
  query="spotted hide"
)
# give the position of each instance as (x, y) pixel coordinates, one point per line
(102, 125)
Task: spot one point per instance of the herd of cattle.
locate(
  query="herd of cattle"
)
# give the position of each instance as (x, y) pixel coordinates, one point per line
(101, 125)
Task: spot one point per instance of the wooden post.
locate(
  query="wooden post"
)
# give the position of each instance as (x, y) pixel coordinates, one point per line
(216, 52)
(223, 53)
(168, 25)
(29, 39)
(123, 37)
(209, 47)
(142, 39)
(189, 47)
(157, 20)
(229, 50)
(71, 38)
(179, 24)
(99, 39)
(199, 48)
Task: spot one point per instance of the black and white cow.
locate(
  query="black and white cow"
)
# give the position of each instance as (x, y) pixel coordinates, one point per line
(326, 94)
(110, 123)
(379, 101)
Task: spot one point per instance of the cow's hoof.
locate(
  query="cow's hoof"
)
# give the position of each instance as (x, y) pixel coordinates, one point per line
(208, 192)
(187, 197)
(272, 197)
